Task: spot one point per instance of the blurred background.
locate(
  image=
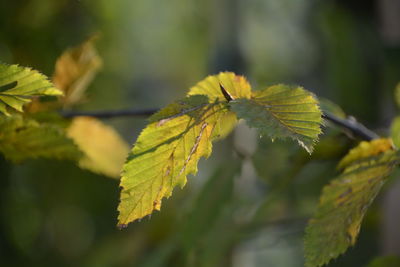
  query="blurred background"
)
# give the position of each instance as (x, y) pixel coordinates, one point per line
(250, 202)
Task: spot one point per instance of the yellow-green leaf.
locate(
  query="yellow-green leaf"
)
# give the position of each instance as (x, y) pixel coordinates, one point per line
(105, 151)
(169, 148)
(236, 86)
(395, 131)
(365, 150)
(75, 69)
(344, 202)
(22, 138)
(18, 85)
(282, 111)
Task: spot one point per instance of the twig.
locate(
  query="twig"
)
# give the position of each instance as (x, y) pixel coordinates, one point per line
(109, 114)
(353, 126)
(356, 128)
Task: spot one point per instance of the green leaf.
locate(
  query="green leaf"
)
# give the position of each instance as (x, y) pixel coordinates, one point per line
(169, 148)
(22, 138)
(395, 131)
(282, 111)
(18, 85)
(344, 202)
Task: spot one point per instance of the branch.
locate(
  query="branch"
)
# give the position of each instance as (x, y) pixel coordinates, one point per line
(350, 124)
(356, 128)
(109, 114)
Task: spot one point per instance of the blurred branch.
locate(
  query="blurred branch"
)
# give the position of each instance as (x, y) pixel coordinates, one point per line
(350, 124)
(109, 114)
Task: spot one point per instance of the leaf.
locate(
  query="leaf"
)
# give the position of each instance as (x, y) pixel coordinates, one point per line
(365, 150)
(75, 69)
(18, 85)
(105, 151)
(282, 111)
(237, 87)
(169, 148)
(22, 138)
(344, 202)
(395, 131)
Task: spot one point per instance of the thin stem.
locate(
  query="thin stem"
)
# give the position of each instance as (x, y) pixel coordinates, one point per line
(356, 128)
(109, 114)
(353, 126)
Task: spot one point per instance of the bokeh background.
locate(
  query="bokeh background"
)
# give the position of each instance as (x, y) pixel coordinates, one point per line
(250, 202)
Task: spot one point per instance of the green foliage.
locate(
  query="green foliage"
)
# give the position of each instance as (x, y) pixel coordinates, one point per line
(395, 131)
(18, 85)
(344, 202)
(170, 147)
(22, 138)
(282, 111)
(179, 135)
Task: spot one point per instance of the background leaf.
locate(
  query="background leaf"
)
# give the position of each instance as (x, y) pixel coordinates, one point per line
(282, 111)
(22, 138)
(105, 151)
(344, 202)
(18, 85)
(75, 69)
(395, 131)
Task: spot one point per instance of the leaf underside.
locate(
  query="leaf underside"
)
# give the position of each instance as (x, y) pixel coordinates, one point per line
(22, 138)
(344, 202)
(169, 148)
(282, 111)
(18, 85)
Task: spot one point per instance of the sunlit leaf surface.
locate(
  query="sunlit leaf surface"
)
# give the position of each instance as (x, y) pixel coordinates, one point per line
(282, 111)
(18, 85)
(169, 148)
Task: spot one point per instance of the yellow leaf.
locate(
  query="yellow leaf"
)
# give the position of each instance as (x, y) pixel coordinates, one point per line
(75, 69)
(236, 86)
(366, 149)
(105, 151)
